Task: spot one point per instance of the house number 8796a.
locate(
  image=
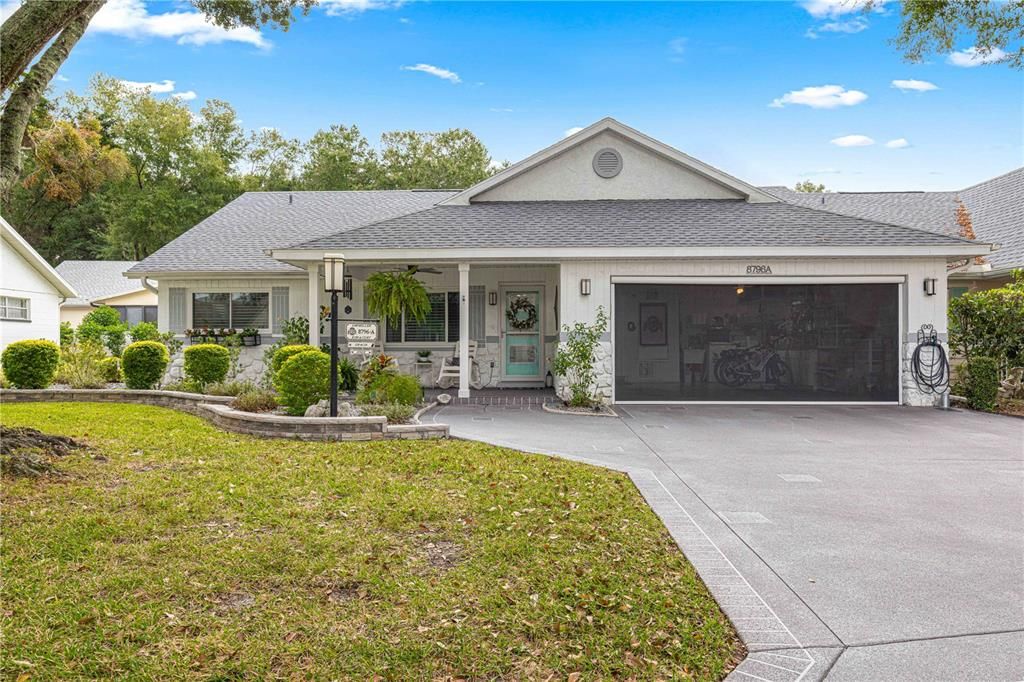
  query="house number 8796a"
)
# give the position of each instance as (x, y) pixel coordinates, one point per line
(759, 269)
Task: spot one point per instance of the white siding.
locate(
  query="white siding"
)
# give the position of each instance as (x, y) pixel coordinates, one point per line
(296, 295)
(20, 279)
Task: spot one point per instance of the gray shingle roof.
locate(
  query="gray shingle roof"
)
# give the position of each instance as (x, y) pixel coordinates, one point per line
(996, 207)
(234, 238)
(95, 279)
(646, 223)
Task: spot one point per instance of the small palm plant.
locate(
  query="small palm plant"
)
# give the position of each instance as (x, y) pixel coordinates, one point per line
(390, 294)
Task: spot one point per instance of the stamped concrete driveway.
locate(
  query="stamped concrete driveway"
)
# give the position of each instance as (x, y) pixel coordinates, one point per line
(845, 543)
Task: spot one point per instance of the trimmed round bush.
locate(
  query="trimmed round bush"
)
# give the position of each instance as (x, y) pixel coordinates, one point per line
(31, 363)
(206, 363)
(282, 354)
(144, 363)
(402, 389)
(303, 380)
(982, 383)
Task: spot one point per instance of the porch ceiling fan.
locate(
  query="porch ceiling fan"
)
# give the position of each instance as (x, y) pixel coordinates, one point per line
(416, 268)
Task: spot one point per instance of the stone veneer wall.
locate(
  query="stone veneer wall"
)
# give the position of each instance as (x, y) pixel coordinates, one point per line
(217, 410)
(912, 395)
(602, 375)
(250, 365)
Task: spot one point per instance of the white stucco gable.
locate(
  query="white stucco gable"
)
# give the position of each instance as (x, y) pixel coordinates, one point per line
(643, 168)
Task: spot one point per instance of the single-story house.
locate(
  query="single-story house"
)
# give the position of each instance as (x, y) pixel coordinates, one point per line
(994, 208)
(102, 282)
(31, 291)
(716, 290)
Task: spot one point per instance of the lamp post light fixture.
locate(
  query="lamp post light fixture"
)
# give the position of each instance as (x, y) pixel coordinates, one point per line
(334, 282)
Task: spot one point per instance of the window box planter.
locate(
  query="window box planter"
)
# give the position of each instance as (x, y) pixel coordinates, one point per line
(252, 339)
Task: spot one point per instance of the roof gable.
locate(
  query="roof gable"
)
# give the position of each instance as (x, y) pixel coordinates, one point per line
(32, 257)
(98, 279)
(650, 170)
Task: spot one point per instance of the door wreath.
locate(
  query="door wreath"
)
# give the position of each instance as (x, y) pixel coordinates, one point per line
(521, 313)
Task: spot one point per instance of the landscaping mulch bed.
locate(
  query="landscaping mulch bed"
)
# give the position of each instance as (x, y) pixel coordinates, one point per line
(195, 553)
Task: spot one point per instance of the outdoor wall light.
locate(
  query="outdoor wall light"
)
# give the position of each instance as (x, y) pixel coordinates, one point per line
(492, 298)
(929, 286)
(739, 290)
(584, 287)
(346, 287)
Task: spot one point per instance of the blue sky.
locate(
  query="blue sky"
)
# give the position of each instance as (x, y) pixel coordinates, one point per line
(708, 78)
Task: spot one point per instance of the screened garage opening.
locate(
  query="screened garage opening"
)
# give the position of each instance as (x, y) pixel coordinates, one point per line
(778, 342)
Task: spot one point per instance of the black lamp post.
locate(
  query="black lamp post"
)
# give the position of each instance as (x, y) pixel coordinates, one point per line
(334, 282)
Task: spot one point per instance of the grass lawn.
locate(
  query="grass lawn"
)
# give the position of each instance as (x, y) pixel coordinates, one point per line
(173, 550)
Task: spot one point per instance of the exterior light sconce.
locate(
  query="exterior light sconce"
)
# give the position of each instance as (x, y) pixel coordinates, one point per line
(584, 287)
(739, 290)
(929, 286)
(492, 298)
(346, 287)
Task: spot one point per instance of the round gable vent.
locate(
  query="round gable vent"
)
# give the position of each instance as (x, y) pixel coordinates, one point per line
(607, 163)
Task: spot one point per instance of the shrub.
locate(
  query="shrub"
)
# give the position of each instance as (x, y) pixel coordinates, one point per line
(982, 379)
(182, 386)
(575, 358)
(144, 331)
(348, 374)
(989, 323)
(255, 400)
(391, 388)
(234, 388)
(67, 334)
(4, 383)
(396, 413)
(143, 364)
(282, 354)
(111, 369)
(103, 316)
(303, 380)
(206, 363)
(103, 325)
(375, 367)
(82, 366)
(30, 364)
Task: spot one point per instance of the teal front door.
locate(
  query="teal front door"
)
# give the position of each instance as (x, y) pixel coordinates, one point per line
(522, 346)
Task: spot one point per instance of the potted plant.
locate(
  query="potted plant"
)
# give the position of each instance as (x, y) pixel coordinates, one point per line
(392, 294)
(423, 356)
(250, 336)
(424, 368)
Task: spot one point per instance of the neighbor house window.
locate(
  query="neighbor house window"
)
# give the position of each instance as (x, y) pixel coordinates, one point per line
(12, 308)
(238, 310)
(133, 314)
(442, 323)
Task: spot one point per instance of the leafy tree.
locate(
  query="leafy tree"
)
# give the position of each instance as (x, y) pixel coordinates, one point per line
(935, 26)
(219, 131)
(451, 159)
(808, 186)
(339, 158)
(37, 23)
(273, 161)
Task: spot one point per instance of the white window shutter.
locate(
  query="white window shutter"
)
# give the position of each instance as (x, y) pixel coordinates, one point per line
(176, 309)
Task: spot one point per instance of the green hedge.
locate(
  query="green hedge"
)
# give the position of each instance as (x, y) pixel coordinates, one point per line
(982, 380)
(282, 354)
(391, 388)
(144, 363)
(31, 364)
(206, 363)
(303, 380)
(144, 331)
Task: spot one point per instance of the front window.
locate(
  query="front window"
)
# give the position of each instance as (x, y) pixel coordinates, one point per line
(440, 326)
(133, 314)
(12, 308)
(224, 310)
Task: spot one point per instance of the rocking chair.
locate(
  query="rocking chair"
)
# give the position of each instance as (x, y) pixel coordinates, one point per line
(449, 373)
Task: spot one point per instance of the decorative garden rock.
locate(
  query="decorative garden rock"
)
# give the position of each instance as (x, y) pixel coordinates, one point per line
(323, 409)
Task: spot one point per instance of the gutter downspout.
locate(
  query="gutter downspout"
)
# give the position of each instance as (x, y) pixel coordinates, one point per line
(150, 287)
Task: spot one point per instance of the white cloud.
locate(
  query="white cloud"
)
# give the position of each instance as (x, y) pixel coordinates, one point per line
(502, 110)
(187, 95)
(915, 85)
(342, 7)
(831, 9)
(131, 18)
(61, 79)
(972, 56)
(821, 97)
(898, 143)
(677, 48)
(155, 88)
(852, 141)
(855, 25)
(435, 71)
(573, 131)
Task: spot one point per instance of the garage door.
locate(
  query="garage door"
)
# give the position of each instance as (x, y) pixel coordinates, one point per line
(780, 342)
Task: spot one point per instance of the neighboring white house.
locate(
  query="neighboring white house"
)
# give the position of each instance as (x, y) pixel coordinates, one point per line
(102, 282)
(717, 291)
(30, 291)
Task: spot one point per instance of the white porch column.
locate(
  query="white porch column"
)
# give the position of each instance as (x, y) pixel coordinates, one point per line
(464, 365)
(313, 306)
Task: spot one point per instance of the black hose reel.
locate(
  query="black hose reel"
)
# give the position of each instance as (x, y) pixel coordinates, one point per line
(929, 365)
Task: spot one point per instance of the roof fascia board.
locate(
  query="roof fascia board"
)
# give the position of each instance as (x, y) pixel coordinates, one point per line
(160, 275)
(26, 251)
(753, 194)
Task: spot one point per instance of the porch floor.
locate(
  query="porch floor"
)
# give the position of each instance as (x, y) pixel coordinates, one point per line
(497, 396)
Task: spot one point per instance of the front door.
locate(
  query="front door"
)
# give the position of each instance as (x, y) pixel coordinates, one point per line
(522, 346)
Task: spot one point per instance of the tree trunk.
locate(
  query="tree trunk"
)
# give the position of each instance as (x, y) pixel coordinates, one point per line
(29, 29)
(24, 98)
